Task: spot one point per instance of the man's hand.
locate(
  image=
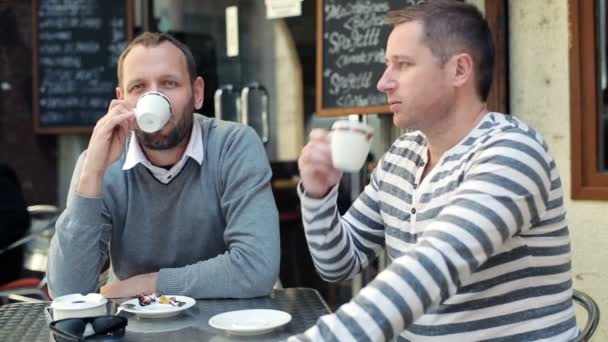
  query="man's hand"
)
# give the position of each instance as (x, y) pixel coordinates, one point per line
(145, 283)
(106, 145)
(316, 169)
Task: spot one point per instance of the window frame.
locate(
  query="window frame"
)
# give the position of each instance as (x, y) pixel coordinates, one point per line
(588, 182)
(497, 16)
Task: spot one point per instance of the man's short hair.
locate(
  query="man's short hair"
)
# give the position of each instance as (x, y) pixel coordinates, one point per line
(451, 27)
(148, 39)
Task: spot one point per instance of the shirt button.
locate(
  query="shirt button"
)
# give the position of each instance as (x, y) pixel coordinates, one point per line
(415, 186)
(413, 211)
(421, 163)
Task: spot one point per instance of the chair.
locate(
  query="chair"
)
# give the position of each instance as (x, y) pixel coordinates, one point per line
(32, 286)
(24, 290)
(593, 314)
(38, 240)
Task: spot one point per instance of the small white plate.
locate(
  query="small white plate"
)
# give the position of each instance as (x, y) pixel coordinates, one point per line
(147, 325)
(158, 310)
(249, 322)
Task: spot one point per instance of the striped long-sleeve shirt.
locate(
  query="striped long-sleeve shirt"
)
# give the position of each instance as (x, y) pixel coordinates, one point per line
(479, 247)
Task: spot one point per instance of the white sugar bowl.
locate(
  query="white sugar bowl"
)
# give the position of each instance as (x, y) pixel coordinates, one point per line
(77, 305)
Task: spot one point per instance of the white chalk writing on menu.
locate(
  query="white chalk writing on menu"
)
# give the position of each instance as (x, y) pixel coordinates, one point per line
(354, 39)
(79, 42)
(353, 42)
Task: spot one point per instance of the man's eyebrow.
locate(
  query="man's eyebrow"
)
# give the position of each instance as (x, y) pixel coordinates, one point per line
(398, 58)
(133, 81)
(169, 76)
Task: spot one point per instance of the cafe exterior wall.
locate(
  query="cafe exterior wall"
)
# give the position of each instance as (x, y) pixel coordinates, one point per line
(539, 90)
(32, 156)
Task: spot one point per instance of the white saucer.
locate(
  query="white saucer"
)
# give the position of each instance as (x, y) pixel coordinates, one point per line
(249, 322)
(158, 310)
(146, 326)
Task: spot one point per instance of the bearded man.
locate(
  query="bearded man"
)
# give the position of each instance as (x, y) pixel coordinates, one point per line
(185, 210)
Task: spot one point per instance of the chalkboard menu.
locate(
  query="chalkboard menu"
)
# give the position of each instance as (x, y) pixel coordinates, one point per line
(76, 47)
(351, 41)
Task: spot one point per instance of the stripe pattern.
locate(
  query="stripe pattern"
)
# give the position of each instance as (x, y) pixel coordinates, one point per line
(479, 247)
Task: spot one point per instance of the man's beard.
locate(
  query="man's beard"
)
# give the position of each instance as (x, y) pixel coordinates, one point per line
(156, 141)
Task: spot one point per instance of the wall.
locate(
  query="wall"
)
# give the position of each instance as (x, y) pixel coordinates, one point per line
(32, 156)
(289, 101)
(540, 96)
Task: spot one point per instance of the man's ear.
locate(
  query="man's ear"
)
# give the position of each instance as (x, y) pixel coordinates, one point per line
(199, 92)
(119, 94)
(463, 69)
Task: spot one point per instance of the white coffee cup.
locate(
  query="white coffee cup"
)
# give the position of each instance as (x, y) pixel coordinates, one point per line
(76, 305)
(152, 111)
(350, 143)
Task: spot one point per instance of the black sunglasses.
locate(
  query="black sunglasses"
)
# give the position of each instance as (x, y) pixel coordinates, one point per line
(73, 329)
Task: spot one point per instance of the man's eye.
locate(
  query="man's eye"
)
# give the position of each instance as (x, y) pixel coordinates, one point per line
(397, 65)
(170, 83)
(404, 65)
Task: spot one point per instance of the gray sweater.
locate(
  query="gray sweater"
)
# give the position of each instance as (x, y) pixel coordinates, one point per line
(213, 231)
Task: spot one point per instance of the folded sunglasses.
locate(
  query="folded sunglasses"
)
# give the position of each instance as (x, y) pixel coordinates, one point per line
(75, 329)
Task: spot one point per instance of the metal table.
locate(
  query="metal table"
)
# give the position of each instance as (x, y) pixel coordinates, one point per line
(27, 322)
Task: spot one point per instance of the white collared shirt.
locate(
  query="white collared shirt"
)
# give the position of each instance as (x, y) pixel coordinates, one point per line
(194, 150)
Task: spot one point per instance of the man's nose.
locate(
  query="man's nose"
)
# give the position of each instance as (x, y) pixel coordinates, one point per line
(154, 87)
(386, 83)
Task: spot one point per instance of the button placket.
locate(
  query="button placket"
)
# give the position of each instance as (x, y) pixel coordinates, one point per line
(416, 192)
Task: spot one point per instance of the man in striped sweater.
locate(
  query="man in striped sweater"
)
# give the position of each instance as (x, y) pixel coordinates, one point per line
(468, 204)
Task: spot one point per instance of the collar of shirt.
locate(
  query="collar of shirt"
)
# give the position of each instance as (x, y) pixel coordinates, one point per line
(194, 150)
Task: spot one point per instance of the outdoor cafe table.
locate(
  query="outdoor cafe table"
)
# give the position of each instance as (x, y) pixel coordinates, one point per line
(27, 322)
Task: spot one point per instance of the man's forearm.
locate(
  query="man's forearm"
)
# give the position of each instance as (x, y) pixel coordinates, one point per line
(90, 184)
(143, 283)
(238, 273)
(75, 255)
(330, 237)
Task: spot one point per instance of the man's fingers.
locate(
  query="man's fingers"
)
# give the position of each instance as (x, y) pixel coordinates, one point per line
(313, 165)
(316, 153)
(127, 124)
(114, 103)
(120, 118)
(319, 172)
(132, 124)
(104, 129)
(118, 106)
(117, 102)
(319, 135)
(123, 133)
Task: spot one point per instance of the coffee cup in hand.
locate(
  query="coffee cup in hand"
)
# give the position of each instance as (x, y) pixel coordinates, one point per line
(152, 111)
(350, 143)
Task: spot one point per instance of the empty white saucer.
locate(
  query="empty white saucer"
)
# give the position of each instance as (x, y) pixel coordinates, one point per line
(250, 322)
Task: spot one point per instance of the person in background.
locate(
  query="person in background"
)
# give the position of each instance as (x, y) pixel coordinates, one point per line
(468, 204)
(14, 223)
(187, 210)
